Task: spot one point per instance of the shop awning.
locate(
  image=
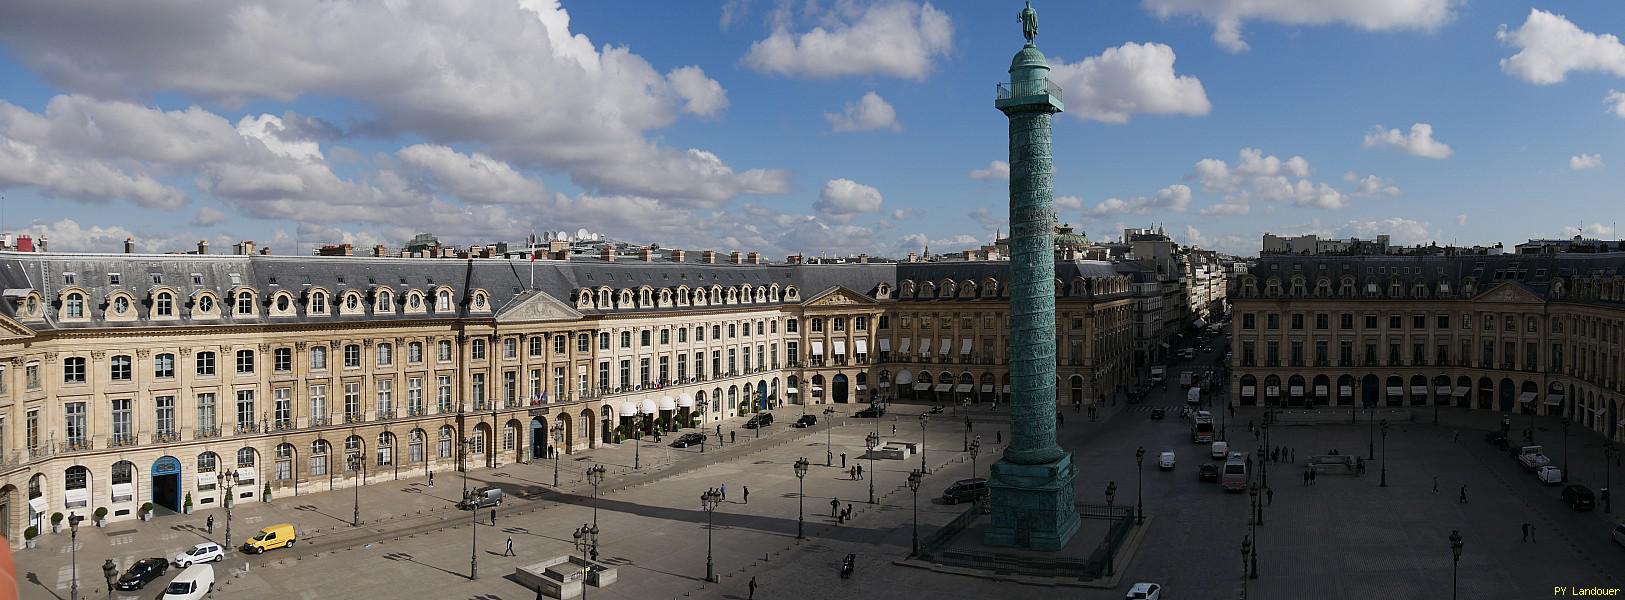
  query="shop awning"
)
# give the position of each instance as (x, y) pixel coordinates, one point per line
(648, 406)
(1526, 397)
(77, 498)
(1345, 390)
(904, 377)
(123, 492)
(965, 346)
(943, 387)
(1395, 390)
(963, 388)
(925, 347)
(1165, 344)
(1555, 399)
(903, 348)
(862, 387)
(685, 401)
(1248, 390)
(987, 388)
(817, 388)
(947, 346)
(840, 347)
(1419, 390)
(1296, 390)
(1320, 391)
(1272, 391)
(1443, 390)
(1199, 323)
(863, 346)
(668, 403)
(1460, 391)
(885, 384)
(39, 504)
(818, 348)
(791, 391)
(922, 386)
(629, 408)
(247, 474)
(885, 345)
(1007, 389)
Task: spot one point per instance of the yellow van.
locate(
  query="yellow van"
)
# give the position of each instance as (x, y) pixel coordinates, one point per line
(270, 538)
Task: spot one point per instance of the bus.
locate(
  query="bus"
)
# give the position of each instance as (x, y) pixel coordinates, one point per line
(1234, 474)
(1202, 428)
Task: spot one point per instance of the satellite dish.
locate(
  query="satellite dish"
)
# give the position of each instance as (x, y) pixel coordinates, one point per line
(561, 236)
(583, 234)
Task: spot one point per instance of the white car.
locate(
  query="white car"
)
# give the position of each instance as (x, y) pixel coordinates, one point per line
(1550, 475)
(1144, 591)
(1165, 461)
(1220, 450)
(194, 583)
(201, 553)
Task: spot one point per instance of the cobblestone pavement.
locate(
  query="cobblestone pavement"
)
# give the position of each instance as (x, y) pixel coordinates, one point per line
(1346, 537)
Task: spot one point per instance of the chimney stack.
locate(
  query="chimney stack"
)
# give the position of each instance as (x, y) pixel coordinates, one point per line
(43, 243)
(561, 254)
(25, 243)
(754, 258)
(378, 251)
(244, 248)
(677, 255)
(863, 259)
(735, 257)
(266, 251)
(709, 257)
(912, 257)
(794, 259)
(647, 254)
(203, 246)
(129, 245)
(970, 255)
(607, 253)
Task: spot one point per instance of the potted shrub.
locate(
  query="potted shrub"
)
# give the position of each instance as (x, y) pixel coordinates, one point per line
(186, 506)
(100, 515)
(56, 522)
(146, 511)
(266, 495)
(29, 535)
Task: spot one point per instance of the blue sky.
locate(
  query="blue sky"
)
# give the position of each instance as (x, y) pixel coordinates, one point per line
(825, 126)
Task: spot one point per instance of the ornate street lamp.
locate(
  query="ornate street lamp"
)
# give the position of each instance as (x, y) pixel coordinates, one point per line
(637, 438)
(595, 476)
(924, 419)
(473, 519)
(110, 573)
(1565, 450)
(558, 439)
(73, 543)
(1246, 545)
(1607, 477)
(801, 497)
(975, 449)
(1111, 517)
(914, 486)
(586, 539)
(709, 501)
(1139, 496)
(1455, 559)
(1252, 491)
(357, 464)
(1384, 467)
(871, 441)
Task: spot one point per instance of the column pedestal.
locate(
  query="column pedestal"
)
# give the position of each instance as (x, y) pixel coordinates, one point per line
(1033, 505)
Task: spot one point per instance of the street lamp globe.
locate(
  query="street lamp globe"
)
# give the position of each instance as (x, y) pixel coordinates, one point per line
(801, 467)
(1455, 544)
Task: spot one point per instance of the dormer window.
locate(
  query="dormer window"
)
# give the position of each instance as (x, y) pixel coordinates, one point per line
(352, 302)
(70, 279)
(245, 303)
(384, 303)
(443, 301)
(113, 279)
(282, 303)
(318, 303)
(121, 305)
(74, 306)
(205, 304)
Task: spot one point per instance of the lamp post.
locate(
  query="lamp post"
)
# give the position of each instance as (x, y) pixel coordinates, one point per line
(829, 439)
(1111, 517)
(1371, 433)
(73, 553)
(1455, 560)
(924, 419)
(801, 497)
(1258, 503)
(110, 573)
(558, 438)
(1258, 518)
(1139, 496)
(637, 439)
(473, 520)
(1565, 449)
(595, 476)
(1607, 477)
(230, 480)
(871, 441)
(975, 449)
(1384, 467)
(357, 464)
(1246, 545)
(586, 539)
(914, 486)
(967, 434)
(709, 501)
(1269, 419)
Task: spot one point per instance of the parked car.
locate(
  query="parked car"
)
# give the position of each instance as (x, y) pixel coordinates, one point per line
(1207, 472)
(1165, 461)
(1579, 497)
(193, 583)
(1550, 475)
(688, 439)
(201, 553)
(481, 498)
(1144, 591)
(1619, 533)
(966, 490)
(759, 420)
(873, 412)
(807, 421)
(1158, 413)
(270, 537)
(141, 573)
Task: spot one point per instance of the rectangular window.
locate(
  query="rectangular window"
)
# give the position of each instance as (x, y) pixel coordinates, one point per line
(73, 369)
(665, 337)
(245, 362)
(443, 351)
(603, 374)
(245, 410)
(479, 390)
(625, 373)
(163, 366)
(535, 385)
(207, 422)
(644, 338)
(32, 426)
(1297, 321)
(1322, 321)
(1393, 321)
(74, 424)
(699, 365)
(318, 404)
(352, 402)
(31, 375)
(510, 388)
(414, 395)
(164, 415)
(682, 335)
(476, 349)
(626, 339)
(1249, 321)
(1370, 321)
(558, 381)
(716, 362)
(1272, 353)
(384, 355)
(123, 428)
(1444, 321)
(862, 323)
(442, 397)
(664, 369)
(414, 353)
(282, 407)
(282, 359)
(510, 348)
(733, 365)
(1345, 321)
(1272, 321)
(534, 345)
(120, 368)
(643, 371)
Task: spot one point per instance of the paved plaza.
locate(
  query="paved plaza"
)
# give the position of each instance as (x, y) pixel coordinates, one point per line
(1345, 537)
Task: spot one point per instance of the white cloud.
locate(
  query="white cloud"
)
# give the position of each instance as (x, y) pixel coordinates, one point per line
(1616, 103)
(997, 170)
(1400, 230)
(1594, 230)
(1227, 16)
(988, 219)
(1372, 185)
(208, 216)
(701, 95)
(902, 214)
(1461, 220)
(1419, 142)
(68, 235)
(1174, 198)
(1550, 46)
(268, 129)
(1127, 80)
(843, 198)
(1227, 208)
(916, 242)
(471, 177)
(1068, 203)
(1268, 178)
(896, 39)
(1581, 162)
(1193, 236)
(869, 113)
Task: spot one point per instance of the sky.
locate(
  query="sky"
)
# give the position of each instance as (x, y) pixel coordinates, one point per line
(825, 127)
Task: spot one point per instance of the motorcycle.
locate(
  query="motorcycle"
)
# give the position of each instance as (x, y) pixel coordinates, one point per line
(847, 564)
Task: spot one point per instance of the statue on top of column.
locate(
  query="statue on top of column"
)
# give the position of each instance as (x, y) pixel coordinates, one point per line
(1029, 22)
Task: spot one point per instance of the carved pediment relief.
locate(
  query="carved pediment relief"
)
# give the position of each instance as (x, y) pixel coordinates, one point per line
(537, 306)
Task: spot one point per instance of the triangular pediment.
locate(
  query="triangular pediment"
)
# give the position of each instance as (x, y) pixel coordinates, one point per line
(10, 329)
(1509, 292)
(536, 306)
(838, 296)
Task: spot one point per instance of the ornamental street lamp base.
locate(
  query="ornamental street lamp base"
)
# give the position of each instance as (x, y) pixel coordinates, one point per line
(1033, 505)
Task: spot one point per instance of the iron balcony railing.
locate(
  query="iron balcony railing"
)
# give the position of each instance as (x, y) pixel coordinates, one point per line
(1006, 91)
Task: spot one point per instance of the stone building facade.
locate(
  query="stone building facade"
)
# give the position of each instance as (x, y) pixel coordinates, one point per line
(128, 379)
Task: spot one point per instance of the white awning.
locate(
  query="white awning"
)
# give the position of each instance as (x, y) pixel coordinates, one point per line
(885, 345)
(1320, 390)
(1443, 390)
(1248, 390)
(1526, 398)
(922, 386)
(1296, 390)
(791, 391)
(1554, 399)
(245, 474)
(963, 387)
(903, 348)
(1006, 389)
(987, 388)
(904, 377)
(207, 479)
(943, 387)
(685, 401)
(1272, 391)
(1460, 391)
(123, 492)
(965, 346)
(885, 384)
(862, 387)
(817, 388)
(925, 347)
(1394, 390)
(78, 497)
(629, 408)
(649, 406)
(1345, 390)
(668, 403)
(840, 347)
(818, 348)
(946, 346)
(1419, 390)
(39, 504)
(862, 346)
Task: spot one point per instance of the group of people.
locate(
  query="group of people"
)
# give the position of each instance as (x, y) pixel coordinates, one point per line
(840, 514)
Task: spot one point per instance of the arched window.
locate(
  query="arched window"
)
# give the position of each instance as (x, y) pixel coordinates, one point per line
(352, 453)
(384, 303)
(165, 305)
(414, 446)
(386, 448)
(318, 458)
(245, 458)
(284, 463)
(443, 445)
(318, 303)
(442, 301)
(74, 307)
(76, 480)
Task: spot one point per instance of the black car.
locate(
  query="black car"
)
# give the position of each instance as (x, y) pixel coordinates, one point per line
(1579, 497)
(1158, 413)
(1207, 472)
(1496, 438)
(141, 573)
(688, 439)
(759, 420)
(966, 490)
(873, 412)
(807, 421)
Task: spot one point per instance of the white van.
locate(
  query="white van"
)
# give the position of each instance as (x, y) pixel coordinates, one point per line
(1234, 475)
(193, 583)
(1220, 451)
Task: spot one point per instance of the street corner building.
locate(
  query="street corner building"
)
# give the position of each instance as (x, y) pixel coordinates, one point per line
(176, 379)
(1516, 334)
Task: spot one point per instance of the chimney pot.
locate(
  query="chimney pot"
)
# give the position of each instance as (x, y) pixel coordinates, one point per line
(708, 257)
(203, 246)
(754, 258)
(677, 255)
(735, 257)
(647, 254)
(607, 253)
(129, 245)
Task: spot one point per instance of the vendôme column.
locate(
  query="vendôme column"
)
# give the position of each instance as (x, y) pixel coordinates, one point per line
(1032, 483)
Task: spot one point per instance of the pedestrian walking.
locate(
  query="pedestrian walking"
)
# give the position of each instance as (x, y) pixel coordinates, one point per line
(1525, 528)
(1435, 484)
(508, 549)
(747, 494)
(1531, 533)
(843, 460)
(724, 490)
(860, 472)
(834, 505)
(1292, 455)
(431, 478)
(849, 511)
(1455, 436)
(752, 588)
(1269, 496)
(1462, 499)
(998, 437)
(1306, 477)
(733, 436)
(1312, 476)
(493, 516)
(894, 429)
(210, 524)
